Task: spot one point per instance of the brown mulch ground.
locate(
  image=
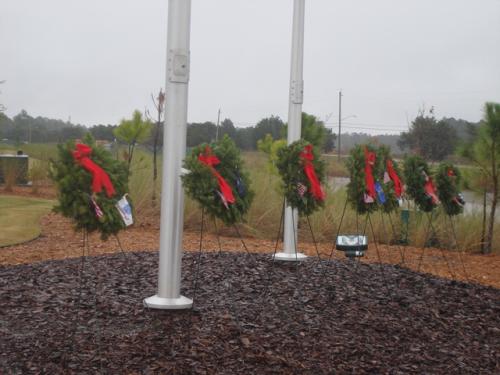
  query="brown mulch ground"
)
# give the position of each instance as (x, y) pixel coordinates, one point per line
(250, 318)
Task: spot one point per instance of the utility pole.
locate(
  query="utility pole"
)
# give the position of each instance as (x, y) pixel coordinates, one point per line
(340, 121)
(217, 128)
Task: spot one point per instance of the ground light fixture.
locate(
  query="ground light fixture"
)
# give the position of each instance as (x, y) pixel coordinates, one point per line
(353, 245)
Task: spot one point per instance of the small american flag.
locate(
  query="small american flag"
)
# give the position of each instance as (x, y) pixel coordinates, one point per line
(97, 209)
(368, 199)
(387, 178)
(459, 200)
(301, 189)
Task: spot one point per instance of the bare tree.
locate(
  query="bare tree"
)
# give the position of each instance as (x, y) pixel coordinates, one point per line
(159, 103)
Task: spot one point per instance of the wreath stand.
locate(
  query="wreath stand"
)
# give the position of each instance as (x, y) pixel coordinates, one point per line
(280, 234)
(197, 267)
(431, 230)
(82, 283)
(394, 234)
(455, 246)
(197, 259)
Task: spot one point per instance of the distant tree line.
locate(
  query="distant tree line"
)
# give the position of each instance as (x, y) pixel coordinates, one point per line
(431, 138)
(23, 128)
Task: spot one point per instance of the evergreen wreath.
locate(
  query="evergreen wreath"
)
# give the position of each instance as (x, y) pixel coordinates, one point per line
(448, 182)
(299, 191)
(391, 200)
(415, 171)
(202, 184)
(75, 197)
(357, 188)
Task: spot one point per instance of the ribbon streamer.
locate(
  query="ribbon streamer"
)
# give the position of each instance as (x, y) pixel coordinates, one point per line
(398, 187)
(430, 189)
(97, 210)
(369, 180)
(100, 178)
(210, 160)
(307, 157)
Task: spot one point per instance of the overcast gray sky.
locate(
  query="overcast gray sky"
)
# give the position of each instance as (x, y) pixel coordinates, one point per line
(97, 60)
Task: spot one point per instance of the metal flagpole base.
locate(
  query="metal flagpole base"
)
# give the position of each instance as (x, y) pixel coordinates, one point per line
(155, 302)
(290, 257)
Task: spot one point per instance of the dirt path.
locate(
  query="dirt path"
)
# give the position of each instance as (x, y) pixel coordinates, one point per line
(59, 241)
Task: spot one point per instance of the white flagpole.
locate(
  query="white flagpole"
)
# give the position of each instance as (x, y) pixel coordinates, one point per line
(290, 253)
(174, 146)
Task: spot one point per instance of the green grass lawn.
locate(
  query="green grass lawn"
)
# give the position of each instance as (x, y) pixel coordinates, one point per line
(20, 218)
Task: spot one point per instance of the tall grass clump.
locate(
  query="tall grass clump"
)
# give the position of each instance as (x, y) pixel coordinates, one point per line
(263, 217)
(334, 167)
(141, 185)
(38, 174)
(11, 174)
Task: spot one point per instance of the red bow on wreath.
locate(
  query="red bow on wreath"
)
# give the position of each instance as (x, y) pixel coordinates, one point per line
(307, 157)
(100, 178)
(369, 180)
(210, 161)
(398, 187)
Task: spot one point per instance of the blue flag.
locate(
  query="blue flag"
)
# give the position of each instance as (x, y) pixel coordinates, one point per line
(380, 192)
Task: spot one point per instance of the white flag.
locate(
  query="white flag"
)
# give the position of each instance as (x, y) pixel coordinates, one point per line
(125, 210)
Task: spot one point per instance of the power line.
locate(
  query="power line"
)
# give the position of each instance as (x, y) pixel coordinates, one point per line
(374, 128)
(345, 124)
(353, 125)
(358, 123)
